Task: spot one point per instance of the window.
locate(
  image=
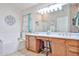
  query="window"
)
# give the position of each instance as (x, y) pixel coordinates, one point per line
(76, 20)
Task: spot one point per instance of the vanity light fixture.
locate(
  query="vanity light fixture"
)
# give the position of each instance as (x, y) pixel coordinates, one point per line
(44, 10)
(51, 8)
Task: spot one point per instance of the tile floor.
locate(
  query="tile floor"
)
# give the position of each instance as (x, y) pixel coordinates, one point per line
(24, 52)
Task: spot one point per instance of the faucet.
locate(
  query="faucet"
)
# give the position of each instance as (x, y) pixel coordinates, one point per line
(49, 30)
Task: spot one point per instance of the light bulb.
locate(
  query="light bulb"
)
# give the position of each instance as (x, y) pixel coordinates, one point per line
(44, 10)
(60, 8)
(55, 9)
(51, 8)
(41, 11)
(47, 9)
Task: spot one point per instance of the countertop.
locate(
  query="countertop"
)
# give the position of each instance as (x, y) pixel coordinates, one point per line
(73, 36)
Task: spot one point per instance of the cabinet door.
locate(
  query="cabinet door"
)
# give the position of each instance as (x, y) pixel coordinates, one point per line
(58, 50)
(58, 47)
(72, 51)
(32, 43)
(72, 47)
(27, 42)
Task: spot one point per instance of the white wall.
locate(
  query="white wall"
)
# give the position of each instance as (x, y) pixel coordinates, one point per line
(9, 34)
(5, 28)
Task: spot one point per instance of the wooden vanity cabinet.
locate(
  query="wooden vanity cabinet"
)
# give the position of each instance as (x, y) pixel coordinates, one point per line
(31, 43)
(27, 42)
(72, 47)
(58, 47)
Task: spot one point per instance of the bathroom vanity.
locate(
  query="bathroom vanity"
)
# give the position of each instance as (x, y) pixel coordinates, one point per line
(62, 44)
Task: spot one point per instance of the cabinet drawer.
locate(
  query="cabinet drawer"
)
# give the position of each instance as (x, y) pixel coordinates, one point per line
(58, 41)
(42, 38)
(27, 43)
(72, 54)
(73, 49)
(74, 43)
(32, 43)
(58, 50)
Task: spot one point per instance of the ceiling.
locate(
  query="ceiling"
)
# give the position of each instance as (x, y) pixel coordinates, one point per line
(20, 6)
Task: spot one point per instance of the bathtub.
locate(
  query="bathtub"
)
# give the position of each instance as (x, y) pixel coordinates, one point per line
(8, 43)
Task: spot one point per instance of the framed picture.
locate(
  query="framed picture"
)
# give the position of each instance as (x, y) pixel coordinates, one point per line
(10, 20)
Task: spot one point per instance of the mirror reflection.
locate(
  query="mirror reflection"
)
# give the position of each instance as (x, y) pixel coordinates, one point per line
(54, 18)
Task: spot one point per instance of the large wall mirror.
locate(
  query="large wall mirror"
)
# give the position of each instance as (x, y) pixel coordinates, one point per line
(56, 21)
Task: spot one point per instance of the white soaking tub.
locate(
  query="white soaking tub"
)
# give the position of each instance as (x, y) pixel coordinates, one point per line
(8, 43)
